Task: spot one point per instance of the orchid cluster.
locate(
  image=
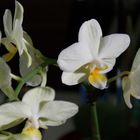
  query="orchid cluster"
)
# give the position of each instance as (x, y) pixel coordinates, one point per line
(88, 60)
(37, 106)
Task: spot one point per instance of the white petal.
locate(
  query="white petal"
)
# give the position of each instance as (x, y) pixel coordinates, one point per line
(70, 78)
(21, 137)
(126, 85)
(113, 45)
(32, 133)
(136, 62)
(109, 63)
(37, 59)
(73, 57)
(7, 21)
(4, 137)
(17, 39)
(36, 96)
(24, 69)
(18, 12)
(27, 39)
(90, 34)
(35, 81)
(135, 83)
(14, 137)
(5, 79)
(57, 112)
(12, 112)
(44, 123)
(17, 36)
(9, 92)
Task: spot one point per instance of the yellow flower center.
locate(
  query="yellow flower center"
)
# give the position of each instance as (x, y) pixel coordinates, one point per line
(33, 133)
(96, 78)
(12, 51)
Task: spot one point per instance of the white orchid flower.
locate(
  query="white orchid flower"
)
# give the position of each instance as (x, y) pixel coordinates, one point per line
(37, 59)
(39, 107)
(131, 83)
(92, 57)
(14, 33)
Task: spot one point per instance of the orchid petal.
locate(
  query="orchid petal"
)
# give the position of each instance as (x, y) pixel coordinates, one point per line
(90, 34)
(11, 116)
(19, 41)
(7, 21)
(37, 59)
(18, 12)
(70, 78)
(27, 39)
(5, 137)
(32, 133)
(126, 85)
(135, 83)
(14, 137)
(17, 35)
(36, 96)
(73, 57)
(113, 45)
(9, 92)
(12, 50)
(98, 80)
(21, 137)
(109, 63)
(57, 112)
(136, 62)
(44, 123)
(5, 79)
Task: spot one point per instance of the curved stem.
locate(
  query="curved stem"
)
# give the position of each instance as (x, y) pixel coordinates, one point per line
(95, 126)
(15, 77)
(30, 75)
(117, 76)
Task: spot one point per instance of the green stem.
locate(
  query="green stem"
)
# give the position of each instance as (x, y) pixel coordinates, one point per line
(30, 75)
(95, 126)
(15, 77)
(117, 76)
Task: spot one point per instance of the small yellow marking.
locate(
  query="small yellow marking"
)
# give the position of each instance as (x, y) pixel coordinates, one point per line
(96, 77)
(12, 52)
(32, 132)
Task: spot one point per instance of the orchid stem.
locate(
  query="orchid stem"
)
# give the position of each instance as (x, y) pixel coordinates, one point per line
(118, 76)
(15, 77)
(32, 73)
(95, 126)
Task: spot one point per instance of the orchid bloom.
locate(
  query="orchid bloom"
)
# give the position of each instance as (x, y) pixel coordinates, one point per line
(14, 33)
(40, 110)
(37, 59)
(131, 83)
(92, 56)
